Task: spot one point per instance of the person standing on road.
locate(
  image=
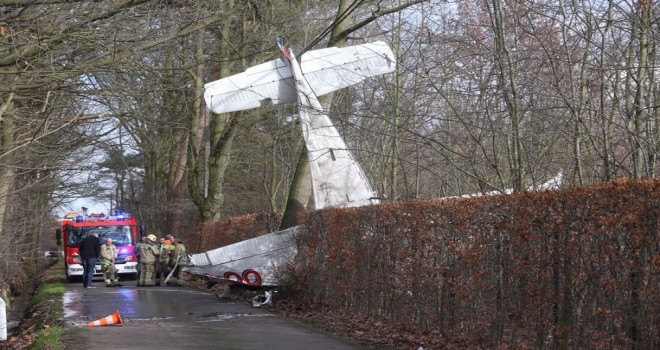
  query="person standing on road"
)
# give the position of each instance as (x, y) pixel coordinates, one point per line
(89, 250)
(164, 259)
(108, 259)
(136, 249)
(158, 267)
(179, 260)
(148, 256)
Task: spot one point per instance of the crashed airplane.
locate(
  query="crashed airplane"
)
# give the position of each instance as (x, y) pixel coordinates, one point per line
(337, 179)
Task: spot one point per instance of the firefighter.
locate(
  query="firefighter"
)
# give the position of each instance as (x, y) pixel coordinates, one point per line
(158, 267)
(108, 259)
(136, 249)
(179, 260)
(164, 259)
(148, 257)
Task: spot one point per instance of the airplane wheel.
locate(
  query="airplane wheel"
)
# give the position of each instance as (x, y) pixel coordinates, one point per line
(251, 277)
(233, 276)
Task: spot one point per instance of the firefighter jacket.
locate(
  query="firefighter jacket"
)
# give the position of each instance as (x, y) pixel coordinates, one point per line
(108, 251)
(148, 253)
(165, 253)
(180, 255)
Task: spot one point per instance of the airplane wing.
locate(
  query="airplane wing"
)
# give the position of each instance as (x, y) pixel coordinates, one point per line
(268, 81)
(331, 69)
(326, 70)
(264, 256)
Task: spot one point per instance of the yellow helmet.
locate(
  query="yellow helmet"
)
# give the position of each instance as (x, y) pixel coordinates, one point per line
(152, 237)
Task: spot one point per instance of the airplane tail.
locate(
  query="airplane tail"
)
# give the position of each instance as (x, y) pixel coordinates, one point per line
(325, 70)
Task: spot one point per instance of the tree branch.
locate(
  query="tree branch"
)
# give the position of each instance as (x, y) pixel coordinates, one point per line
(374, 15)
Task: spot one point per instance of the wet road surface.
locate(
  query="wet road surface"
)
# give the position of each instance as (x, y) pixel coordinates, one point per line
(179, 318)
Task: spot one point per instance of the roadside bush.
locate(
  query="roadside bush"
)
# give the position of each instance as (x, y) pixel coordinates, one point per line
(570, 268)
(231, 230)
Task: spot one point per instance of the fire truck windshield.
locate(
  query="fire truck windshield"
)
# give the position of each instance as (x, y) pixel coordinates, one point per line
(121, 235)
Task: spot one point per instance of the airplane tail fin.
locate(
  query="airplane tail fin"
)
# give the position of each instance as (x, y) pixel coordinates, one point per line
(326, 70)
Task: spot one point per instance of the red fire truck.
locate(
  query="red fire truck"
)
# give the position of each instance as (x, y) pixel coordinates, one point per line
(123, 230)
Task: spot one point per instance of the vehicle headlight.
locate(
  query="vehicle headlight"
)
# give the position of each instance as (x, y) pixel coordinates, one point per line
(122, 258)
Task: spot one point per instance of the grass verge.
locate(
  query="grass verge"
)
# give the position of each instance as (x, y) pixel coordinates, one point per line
(42, 325)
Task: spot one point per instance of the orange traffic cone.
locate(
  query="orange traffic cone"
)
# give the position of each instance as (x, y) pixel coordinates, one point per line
(108, 320)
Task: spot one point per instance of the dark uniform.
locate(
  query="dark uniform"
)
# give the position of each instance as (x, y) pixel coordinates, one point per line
(90, 251)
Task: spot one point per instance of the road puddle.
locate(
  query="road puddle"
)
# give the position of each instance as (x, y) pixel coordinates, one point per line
(85, 324)
(226, 317)
(69, 299)
(149, 319)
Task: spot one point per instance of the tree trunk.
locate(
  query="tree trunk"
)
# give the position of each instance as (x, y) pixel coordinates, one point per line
(396, 116)
(299, 194)
(211, 136)
(510, 94)
(607, 118)
(176, 189)
(7, 173)
(639, 116)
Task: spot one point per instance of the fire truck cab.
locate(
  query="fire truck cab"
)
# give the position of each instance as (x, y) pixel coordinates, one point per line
(123, 230)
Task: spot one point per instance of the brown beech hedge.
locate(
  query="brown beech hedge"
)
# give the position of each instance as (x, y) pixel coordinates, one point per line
(575, 268)
(571, 268)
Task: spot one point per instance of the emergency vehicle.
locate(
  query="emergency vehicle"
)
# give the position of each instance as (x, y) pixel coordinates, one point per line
(123, 230)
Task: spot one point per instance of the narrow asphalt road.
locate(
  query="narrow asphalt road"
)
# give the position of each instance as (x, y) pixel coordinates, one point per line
(180, 318)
